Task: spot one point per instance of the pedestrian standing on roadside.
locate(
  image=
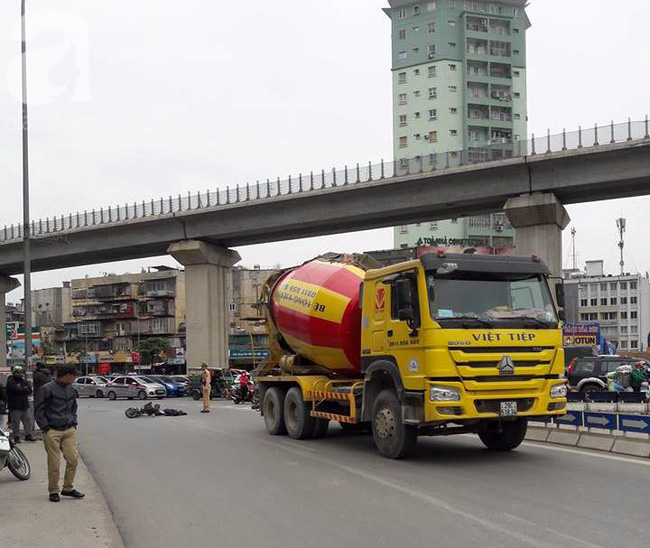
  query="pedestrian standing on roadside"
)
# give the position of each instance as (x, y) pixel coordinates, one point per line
(206, 381)
(42, 376)
(56, 414)
(18, 391)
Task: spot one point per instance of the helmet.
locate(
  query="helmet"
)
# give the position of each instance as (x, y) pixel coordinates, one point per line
(16, 369)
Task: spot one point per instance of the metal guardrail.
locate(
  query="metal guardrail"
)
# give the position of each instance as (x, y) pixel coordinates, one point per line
(482, 152)
(618, 421)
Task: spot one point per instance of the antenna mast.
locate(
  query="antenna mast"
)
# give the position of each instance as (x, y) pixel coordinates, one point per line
(620, 224)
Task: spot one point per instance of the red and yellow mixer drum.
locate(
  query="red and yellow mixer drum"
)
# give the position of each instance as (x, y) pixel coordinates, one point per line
(315, 307)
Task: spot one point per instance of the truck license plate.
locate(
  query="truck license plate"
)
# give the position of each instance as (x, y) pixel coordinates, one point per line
(508, 409)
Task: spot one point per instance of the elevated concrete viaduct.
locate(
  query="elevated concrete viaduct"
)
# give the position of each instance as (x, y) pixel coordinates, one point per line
(533, 189)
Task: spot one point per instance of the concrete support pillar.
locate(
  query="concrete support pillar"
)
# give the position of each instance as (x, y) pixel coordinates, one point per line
(6, 285)
(539, 220)
(207, 271)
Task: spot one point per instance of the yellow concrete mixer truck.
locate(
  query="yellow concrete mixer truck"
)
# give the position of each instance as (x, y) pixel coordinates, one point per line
(445, 344)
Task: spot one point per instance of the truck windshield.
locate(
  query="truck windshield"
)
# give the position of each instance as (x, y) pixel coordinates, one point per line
(491, 301)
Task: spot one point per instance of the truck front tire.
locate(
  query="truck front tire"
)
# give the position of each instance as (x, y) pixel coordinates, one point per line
(297, 417)
(502, 436)
(273, 407)
(393, 438)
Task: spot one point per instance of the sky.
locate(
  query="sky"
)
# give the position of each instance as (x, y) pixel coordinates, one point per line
(131, 102)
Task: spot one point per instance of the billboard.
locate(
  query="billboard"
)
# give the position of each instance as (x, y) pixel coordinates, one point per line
(581, 334)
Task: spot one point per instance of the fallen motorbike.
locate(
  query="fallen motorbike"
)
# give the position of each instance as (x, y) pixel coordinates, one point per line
(13, 458)
(152, 411)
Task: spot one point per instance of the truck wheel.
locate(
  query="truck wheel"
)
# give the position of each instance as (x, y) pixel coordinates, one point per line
(393, 438)
(274, 411)
(502, 436)
(300, 424)
(320, 428)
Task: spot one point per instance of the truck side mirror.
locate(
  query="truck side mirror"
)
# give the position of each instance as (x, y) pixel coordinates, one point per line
(403, 289)
(562, 315)
(559, 295)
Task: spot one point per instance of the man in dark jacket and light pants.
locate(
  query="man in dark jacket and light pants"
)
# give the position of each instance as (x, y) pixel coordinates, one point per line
(56, 414)
(18, 391)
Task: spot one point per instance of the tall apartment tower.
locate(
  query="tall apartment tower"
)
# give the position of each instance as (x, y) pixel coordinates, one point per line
(459, 84)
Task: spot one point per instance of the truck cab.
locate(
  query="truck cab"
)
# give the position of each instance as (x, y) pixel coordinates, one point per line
(466, 341)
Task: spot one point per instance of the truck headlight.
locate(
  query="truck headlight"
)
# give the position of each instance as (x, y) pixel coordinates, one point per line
(443, 393)
(558, 391)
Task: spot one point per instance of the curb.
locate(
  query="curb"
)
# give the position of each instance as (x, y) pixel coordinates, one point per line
(609, 443)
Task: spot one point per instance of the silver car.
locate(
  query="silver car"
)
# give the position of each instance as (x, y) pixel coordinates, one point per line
(132, 386)
(93, 387)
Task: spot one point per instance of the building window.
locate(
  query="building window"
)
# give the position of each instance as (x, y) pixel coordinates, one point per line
(401, 77)
(433, 93)
(603, 302)
(632, 285)
(401, 14)
(453, 132)
(452, 66)
(634, 344)
(402, 35)
(401, 55)
(517, 116)
(633, 315)
(432, 28)
(623, 315)
(453, 110)
(403, 162)
(623, 344)
(453, 89)
(515, 12)
(613, 286)
(493, 9)
(402, 120)
(452, 4)
(594, 302)
(416, 9)
(433, 137)
(432, 50)
(623, 285)
(403, 142)
(603, 287)
(583, 302)
(432, 72)
(433, 114)
(613, 301)
(402, 98)
(431, 6)
(623, 300)
(633, 300)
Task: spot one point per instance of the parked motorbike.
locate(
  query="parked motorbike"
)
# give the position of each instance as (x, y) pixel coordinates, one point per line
(13, 458)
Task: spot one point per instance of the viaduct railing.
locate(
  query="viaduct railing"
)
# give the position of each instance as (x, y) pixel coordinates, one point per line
(480, 152)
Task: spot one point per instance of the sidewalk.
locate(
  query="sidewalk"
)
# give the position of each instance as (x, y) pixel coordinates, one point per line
(29, 520)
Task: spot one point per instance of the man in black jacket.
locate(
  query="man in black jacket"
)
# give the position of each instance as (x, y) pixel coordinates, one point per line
(42, 376)
(18, 391)
(56, 414)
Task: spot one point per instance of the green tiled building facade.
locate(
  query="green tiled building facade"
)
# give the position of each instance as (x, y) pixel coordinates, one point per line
(459, 85)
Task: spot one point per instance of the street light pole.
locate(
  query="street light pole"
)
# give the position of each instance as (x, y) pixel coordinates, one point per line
(27, 259)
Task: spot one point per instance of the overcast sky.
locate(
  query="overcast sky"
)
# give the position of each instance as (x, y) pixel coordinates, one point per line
(139, 99)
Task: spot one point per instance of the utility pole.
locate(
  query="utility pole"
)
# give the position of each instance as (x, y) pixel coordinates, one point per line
(27, 257)
(620, 224)
(573, 246)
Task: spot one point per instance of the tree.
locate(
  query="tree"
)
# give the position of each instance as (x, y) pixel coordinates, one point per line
(151, 349)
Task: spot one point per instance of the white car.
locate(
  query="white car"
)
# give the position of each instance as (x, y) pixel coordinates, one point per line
(93, 387)
(131, 387)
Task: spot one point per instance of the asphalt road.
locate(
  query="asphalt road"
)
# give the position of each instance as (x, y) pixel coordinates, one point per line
(220, 480)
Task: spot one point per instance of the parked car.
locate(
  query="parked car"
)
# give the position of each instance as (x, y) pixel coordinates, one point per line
(589, 373)
(173, 388)
(134, 387)
(183, 379)
(92, 387)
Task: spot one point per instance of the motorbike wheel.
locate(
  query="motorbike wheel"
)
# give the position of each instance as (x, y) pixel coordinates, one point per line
(18, 464)
(196, 395)
(132, 412)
